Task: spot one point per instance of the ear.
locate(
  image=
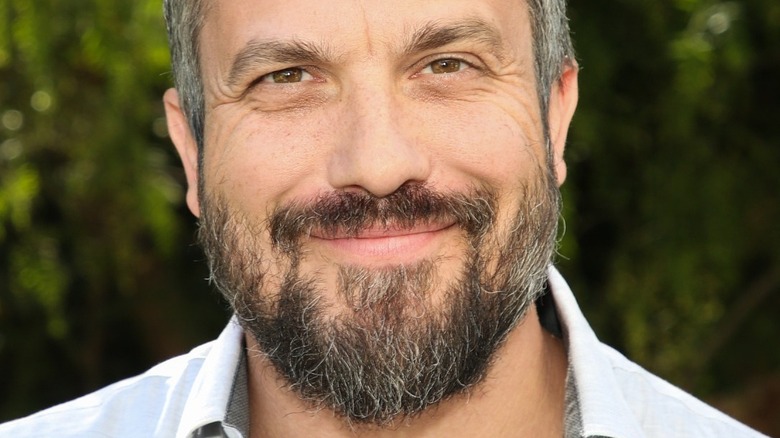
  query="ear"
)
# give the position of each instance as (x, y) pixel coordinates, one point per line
(563, 102)
(185, 143)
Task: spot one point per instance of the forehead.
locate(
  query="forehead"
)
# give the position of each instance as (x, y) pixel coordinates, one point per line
(357, 26)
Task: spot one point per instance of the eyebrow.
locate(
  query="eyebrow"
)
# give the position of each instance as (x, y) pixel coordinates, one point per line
(258, 53)
(434, 34)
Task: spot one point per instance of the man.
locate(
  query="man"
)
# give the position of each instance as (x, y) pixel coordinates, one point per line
(377, 188)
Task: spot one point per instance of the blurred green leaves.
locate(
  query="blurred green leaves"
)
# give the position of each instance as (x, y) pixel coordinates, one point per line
(96, 272)
(674, 193)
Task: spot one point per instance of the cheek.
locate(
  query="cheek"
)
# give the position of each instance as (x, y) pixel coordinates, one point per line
(258, 163)
(498, 142)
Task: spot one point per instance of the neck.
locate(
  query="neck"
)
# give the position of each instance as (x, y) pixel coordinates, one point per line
(521, 395)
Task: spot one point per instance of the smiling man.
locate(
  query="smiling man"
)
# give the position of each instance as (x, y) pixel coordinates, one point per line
(377, 189)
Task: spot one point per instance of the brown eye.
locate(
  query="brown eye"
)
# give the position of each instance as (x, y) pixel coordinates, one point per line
(448, 65)
(286, 76)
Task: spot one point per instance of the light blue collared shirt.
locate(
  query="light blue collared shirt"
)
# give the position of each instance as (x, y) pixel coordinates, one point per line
(199, 394)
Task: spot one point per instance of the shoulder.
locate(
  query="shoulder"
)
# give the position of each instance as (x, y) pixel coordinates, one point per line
(664, 410)
(616, 397)
(145, 405)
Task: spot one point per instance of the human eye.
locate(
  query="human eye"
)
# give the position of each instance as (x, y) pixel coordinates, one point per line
(445, 66)
(286, 76)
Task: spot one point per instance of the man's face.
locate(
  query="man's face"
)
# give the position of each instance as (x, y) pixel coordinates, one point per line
(376, 187)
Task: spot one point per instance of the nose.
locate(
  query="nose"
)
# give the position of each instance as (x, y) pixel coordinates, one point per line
(380, 150)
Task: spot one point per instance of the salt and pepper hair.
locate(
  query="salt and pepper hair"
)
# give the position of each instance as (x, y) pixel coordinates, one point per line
(552, 45)
(184, 21)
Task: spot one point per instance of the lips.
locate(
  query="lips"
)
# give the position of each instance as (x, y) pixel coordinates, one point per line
(355, 222)
(383, 232)
(384, 244)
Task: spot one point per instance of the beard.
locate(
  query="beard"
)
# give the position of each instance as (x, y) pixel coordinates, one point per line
(398, 339)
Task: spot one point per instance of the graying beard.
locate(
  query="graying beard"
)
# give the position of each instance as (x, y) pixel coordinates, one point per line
(369, 290)
(381, 362)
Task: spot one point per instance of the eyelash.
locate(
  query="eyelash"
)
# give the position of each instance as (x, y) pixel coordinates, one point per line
(429, 65)
(270, 76)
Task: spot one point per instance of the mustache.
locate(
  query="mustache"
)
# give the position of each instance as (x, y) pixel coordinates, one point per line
(348, 213)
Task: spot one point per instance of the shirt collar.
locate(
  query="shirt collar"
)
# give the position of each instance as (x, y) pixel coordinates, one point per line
(211, 391)
(603, 410)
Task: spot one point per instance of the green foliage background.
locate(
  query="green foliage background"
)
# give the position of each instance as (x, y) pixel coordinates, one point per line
(670, 205)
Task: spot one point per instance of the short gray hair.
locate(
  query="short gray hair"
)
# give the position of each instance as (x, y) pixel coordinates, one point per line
(184, 21)
(553, 51)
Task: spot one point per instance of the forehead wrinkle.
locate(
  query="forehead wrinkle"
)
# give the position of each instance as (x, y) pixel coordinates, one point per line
(435, 34)
(257, 54)
(366, 29)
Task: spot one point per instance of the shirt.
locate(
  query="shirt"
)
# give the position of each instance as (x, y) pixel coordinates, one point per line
(203, 394)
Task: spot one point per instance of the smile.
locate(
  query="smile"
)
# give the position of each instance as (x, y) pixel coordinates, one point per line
(384, 245)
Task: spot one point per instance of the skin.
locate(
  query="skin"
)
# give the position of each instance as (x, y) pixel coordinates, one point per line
(371, 113)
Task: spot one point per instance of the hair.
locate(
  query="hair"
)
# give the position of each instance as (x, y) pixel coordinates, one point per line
(184, 21)
(553, 51)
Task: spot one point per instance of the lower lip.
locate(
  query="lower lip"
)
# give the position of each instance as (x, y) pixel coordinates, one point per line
(396, 248)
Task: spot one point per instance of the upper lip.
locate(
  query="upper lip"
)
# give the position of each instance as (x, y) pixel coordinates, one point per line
(379, 231)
